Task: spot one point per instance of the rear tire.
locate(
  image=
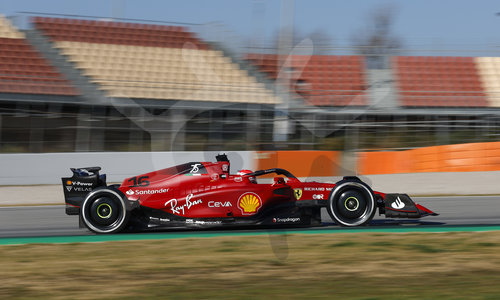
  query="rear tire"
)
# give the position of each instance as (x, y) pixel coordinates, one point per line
(351, 203)
(105, 211)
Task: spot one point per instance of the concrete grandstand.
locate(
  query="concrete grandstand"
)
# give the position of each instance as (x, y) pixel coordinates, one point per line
(78, 84)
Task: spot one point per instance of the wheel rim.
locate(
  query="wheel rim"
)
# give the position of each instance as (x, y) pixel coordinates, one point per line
(351, 204)
(104, 211)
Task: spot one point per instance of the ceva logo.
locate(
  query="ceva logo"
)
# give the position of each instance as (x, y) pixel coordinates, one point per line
(219, 204)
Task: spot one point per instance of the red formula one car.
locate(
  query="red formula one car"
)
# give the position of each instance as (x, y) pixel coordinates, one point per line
(205, 194)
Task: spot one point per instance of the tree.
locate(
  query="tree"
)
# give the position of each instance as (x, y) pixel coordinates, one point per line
(376, 40)
(320, 39)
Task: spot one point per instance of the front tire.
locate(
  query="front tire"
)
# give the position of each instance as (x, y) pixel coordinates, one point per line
(105, 211)
(351, 203)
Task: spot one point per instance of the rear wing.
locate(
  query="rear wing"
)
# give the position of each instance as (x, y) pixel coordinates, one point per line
(76, 187)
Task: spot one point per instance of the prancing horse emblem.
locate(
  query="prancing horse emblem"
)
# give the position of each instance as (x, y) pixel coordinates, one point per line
(297, 193)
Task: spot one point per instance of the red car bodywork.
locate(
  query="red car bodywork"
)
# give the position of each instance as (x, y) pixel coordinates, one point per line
(207, 194)
(209, 191)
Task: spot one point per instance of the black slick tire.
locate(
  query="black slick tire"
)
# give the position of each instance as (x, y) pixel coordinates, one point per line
(351, 203)
(105, 211)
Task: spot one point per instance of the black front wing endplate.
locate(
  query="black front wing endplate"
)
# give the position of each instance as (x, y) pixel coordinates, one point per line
(401, 206)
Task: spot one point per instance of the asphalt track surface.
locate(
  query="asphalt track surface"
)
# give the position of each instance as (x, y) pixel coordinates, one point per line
(51, 221)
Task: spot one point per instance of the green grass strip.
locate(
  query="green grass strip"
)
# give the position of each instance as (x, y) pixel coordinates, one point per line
(205, 234)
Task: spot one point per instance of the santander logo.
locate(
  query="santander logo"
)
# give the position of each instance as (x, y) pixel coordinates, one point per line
(398, 204)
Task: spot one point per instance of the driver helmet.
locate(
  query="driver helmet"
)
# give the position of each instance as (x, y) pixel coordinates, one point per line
(246, 172)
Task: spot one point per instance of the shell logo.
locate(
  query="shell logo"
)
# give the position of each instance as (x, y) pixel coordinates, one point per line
(249, 203)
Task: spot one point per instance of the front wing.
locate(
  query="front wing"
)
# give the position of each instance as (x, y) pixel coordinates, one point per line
(401, 206)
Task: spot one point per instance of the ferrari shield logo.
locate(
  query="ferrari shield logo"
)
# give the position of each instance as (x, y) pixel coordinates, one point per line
(297, 193)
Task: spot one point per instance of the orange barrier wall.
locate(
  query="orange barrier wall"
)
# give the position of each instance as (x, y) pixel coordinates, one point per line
(446, 158)
(300, 163)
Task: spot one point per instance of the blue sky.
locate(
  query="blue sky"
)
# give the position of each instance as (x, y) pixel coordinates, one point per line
(423, 24)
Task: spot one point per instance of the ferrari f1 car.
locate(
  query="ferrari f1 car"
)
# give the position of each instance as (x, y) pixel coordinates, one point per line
(206, 194)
